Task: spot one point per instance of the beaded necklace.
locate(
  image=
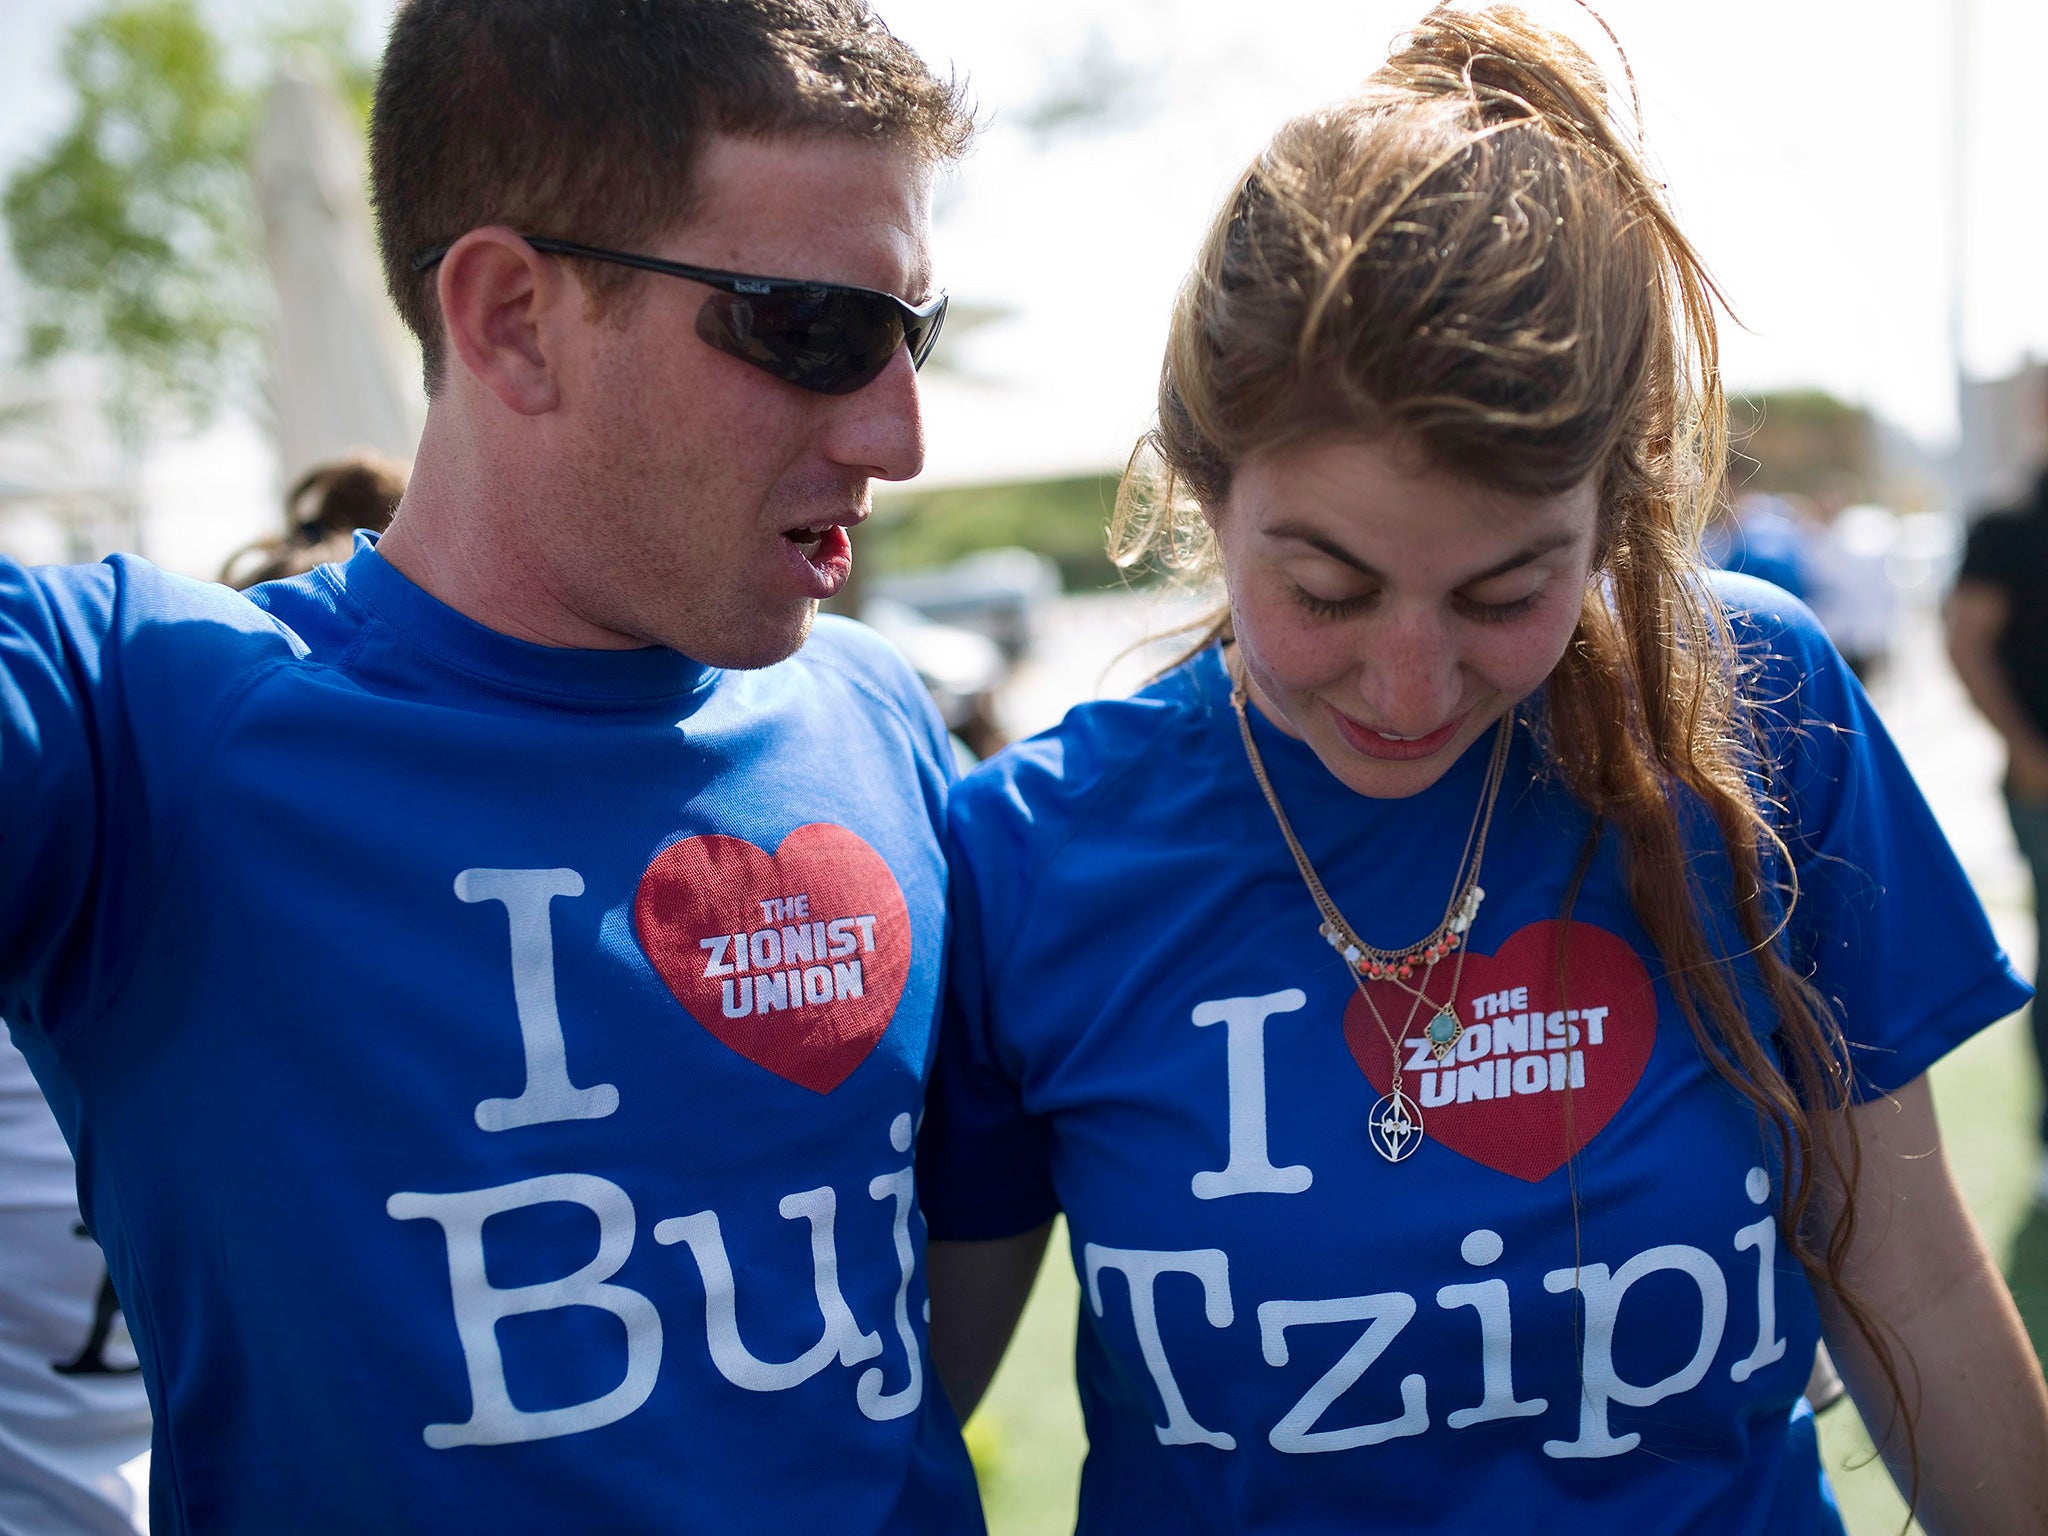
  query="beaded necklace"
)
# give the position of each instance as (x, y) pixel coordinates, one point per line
(1395, 1128)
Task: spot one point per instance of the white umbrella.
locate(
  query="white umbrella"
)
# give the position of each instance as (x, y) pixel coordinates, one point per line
(343, 374)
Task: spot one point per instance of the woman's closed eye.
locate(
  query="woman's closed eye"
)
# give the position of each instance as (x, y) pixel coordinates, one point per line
(1333, 607)
(1503, 597)
(1492, 603)
(1497, 611)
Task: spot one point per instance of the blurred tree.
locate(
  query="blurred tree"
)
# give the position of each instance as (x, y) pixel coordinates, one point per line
(1065, 520)
(1093, 90)
(1804, 441)
(136, 232)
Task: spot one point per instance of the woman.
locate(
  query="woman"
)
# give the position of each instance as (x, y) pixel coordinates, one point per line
(323, 510)
(1473, 1015)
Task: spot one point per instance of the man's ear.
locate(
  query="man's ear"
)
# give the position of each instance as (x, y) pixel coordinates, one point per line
(496, 295)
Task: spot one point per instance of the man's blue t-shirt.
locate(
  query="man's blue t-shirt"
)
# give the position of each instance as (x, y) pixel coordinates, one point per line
(493, 1070)
(1281, 1331)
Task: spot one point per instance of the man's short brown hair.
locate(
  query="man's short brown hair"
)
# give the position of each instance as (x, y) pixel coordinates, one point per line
(583, 119)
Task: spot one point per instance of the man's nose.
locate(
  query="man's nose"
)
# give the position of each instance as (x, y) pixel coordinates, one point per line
(878, 430)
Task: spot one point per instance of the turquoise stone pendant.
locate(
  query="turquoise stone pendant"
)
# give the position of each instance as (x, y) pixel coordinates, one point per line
(1444, 1032)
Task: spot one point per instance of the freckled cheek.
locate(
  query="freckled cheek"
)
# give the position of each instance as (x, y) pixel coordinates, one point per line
(1293, 650)
(1517, 659)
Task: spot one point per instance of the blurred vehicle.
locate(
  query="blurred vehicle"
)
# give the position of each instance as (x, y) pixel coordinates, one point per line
(960, 668)
(996, 593)
(1925, 553)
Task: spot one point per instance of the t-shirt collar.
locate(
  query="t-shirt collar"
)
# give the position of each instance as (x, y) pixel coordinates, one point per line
(586, 678)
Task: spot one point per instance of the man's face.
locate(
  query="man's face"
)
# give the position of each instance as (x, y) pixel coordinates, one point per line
(713, 499)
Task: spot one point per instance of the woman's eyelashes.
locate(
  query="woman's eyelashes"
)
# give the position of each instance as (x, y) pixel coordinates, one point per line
(1497, 612)
(1332, 607)
(1484, 612)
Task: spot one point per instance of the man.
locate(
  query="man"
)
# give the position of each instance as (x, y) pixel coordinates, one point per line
(491, 1021)
(1997, 618)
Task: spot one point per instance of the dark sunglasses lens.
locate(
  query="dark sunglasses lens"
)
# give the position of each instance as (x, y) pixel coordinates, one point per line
(921, 334)
(824, 340)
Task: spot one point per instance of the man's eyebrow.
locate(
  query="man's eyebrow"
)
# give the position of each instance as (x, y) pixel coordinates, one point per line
(1534, 550)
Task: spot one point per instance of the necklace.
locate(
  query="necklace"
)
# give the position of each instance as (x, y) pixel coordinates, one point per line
(1395, 1127)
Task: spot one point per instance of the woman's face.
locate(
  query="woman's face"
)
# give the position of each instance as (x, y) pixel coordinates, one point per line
(1388, 614)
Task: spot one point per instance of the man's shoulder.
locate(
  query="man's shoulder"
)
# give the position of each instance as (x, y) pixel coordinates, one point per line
(849, 650)
(850, 646)
(154, 619)
(854, 660)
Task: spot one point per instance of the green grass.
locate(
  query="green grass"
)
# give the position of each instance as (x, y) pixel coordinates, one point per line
(1027, 1437)
(1064, 520)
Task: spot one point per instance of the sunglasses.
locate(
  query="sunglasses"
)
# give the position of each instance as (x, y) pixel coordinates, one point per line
(829, 338)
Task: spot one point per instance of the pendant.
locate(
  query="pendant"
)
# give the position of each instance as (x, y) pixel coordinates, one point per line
(1445, 1031)
(1396, 1126)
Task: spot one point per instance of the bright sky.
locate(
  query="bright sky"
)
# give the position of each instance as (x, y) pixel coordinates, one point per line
(1807, 144)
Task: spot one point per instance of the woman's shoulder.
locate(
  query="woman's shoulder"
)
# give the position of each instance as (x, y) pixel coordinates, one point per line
(1786, 664)
(1815, 732)
(1101, 754)
(1761, 612)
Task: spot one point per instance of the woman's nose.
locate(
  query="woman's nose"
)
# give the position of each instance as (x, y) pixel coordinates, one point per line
(1409, 675)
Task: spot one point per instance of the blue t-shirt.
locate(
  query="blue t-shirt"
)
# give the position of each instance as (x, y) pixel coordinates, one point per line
(1281, 1331)
(492, 1069)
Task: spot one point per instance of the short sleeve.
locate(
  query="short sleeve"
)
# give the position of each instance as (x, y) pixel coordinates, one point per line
(52, 757)
(1886, 922)
(983, 1160)
(1988, 555)
(113, 679)
(869, 662)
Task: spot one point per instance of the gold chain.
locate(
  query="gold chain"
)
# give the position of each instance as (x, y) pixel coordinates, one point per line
(1396, 1129)
(1450, 929)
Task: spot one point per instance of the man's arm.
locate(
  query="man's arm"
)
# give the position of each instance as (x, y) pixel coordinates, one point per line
(1973, 1388)
(978, 1293)
(1976, 615)
(50, 761)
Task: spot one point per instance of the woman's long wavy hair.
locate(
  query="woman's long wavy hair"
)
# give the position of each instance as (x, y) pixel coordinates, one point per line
(1469, 260)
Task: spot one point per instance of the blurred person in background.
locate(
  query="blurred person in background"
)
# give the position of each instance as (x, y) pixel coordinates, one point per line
(1451, 1009)
(489, 983)
(1997, 621)
(73, 1410)
(323, 511)
(1761, 535)
(1850, 586)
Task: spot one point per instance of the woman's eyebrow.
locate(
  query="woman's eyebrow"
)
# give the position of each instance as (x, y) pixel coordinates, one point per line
(1534, 550)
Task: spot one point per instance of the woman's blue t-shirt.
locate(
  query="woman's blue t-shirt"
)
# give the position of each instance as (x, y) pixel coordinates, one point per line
(1282, 1332)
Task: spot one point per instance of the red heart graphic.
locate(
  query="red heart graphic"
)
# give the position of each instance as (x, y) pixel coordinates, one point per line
(1519, 1097)
(795, 959)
